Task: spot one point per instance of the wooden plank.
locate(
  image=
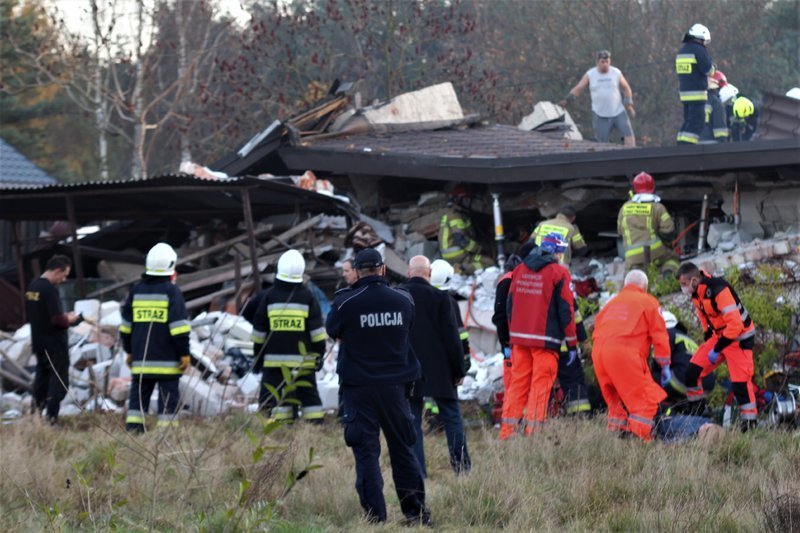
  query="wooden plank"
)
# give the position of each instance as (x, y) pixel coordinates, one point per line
(191, 257)
(208, 298)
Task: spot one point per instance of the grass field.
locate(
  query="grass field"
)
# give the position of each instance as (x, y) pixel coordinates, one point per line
(232, 474)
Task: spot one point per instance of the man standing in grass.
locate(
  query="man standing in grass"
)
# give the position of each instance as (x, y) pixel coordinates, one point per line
(377, 368)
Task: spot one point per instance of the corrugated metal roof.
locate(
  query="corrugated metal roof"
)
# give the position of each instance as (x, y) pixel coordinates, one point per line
(179, 196)
(15, 168)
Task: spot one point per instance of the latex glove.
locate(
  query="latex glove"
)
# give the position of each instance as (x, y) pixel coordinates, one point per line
(186, 360)
(666, 375)
(713, 355)
(573, 356)
(507, 353)
(129, 359)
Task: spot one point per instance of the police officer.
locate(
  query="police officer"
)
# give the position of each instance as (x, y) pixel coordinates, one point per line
(288, 333)
(49, 325)
(155, 334)
(376, 368)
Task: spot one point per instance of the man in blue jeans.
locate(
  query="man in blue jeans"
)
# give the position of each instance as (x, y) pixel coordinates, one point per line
(436, 343)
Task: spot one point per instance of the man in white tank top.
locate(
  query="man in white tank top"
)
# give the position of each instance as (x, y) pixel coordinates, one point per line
(612, 99)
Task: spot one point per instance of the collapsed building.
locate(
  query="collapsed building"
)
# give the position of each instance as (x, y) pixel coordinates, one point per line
(376, 176)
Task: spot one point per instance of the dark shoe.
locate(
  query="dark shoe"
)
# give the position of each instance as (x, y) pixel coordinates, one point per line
(422, 519)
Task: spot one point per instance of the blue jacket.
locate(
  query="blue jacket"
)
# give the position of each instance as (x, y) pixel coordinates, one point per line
(693, 66)
(373, 322)
(154, 328)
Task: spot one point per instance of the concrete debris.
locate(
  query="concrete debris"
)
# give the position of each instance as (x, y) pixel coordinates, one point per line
(548, 117)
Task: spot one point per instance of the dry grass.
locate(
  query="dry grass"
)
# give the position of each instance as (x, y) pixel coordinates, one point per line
(209, 476)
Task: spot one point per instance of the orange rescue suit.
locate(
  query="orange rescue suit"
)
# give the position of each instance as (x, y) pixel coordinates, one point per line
(624, 331)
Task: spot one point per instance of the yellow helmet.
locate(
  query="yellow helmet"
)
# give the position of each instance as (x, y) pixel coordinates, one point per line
(743, 107)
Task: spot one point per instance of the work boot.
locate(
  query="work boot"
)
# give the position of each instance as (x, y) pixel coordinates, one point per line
(422, 519)
(748, 425)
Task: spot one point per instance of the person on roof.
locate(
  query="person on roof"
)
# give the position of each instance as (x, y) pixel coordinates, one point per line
(564, 225)
(693, 66)
(741, 112)
(624, 332)
(540, 318)
(612, 99)
(646, 228)
(716, 126)
(730, 337)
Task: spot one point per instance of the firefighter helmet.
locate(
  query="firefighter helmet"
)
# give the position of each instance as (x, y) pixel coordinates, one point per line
(441, 274)
(291, 266)
(743, 107)
(700, 32)
(644, 183)
(160, 260)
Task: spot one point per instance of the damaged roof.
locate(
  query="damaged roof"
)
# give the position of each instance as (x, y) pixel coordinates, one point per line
(180, 196)
(504, 155)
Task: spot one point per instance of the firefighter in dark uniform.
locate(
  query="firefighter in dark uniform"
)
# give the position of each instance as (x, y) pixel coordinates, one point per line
(155, 334)
(49, 325)
(288, 333)
(570, 374)
(377, 368)
(693, 66)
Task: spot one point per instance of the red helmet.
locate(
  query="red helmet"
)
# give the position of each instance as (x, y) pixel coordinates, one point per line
(720, 78)
(644, 183)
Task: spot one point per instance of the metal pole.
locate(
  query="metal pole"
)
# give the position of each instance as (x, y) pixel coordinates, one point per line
(499, 234)
(76, 248)
(251, 239)
(701, 241)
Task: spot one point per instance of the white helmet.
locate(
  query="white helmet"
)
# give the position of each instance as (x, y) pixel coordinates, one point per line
(670, 319)
(291, 266)
(160, 260)
(441, 274)
(698, 31)
(728, 92)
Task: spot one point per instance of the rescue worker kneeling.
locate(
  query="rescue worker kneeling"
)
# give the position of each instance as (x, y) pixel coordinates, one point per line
(155, 334)
(540, 311)
(623, 332)
(730, 337)
(288, 334)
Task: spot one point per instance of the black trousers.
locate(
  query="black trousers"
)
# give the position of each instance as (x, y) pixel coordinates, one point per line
(307, 396)
(51, 381)
(694, 119)
(139, 402)
(573, 383)
(367, 411)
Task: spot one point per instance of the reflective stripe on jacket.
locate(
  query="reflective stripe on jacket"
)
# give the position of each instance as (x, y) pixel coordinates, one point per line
(693, 66)
(721, 311)
(455, 236)
(640, 224)
(287, 327)
(155, 328)
(566, 229)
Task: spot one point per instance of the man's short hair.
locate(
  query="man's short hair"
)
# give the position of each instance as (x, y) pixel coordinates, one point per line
(687, 269)
(568, 211)
(346, 261)
(603, 54)
(58, 262)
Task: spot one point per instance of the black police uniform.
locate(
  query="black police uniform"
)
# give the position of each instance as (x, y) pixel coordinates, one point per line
(155, 332)
(49, 342)
(376, 365)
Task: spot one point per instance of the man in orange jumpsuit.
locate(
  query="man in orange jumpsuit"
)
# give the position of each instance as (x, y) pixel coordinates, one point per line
(540, 318)
(623, 332)
(730, 336)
